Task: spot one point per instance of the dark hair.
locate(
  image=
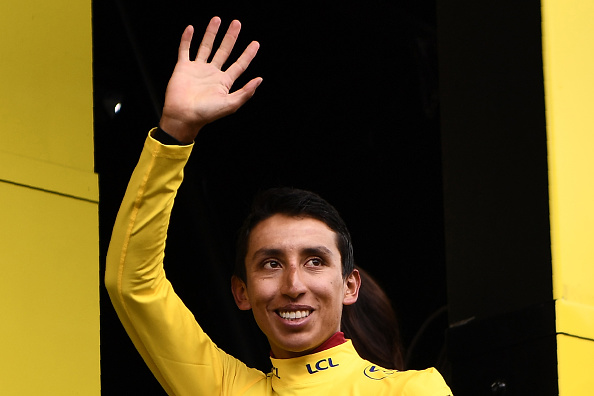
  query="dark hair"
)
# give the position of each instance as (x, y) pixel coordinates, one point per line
(372, 326)
(298, 203)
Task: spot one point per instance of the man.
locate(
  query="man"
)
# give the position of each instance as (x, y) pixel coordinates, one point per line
(295, 270)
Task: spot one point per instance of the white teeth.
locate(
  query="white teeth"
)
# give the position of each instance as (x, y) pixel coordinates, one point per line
(290, 315)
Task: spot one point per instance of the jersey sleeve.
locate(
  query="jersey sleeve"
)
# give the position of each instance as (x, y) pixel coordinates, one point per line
(163, 330)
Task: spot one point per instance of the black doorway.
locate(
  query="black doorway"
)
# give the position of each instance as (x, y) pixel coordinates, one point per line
(348, 108)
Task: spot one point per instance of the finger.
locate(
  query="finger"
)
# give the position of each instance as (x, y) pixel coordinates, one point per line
(184, 44)
(227, 44)
(242, 63)
(205, 47)
(239, 97)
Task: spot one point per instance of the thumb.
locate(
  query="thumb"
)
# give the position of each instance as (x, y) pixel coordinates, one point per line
(239, 97)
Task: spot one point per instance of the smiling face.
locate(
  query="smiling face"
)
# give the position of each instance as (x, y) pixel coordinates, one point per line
(294, 283)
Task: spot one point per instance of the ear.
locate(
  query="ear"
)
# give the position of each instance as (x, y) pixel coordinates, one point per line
(352, 284)
(239, 290)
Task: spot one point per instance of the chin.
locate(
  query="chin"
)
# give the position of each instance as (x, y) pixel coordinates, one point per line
(295, 345)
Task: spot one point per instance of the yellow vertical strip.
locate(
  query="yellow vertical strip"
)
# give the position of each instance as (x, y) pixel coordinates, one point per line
(49, 336)
(49, 287)
(568, 56)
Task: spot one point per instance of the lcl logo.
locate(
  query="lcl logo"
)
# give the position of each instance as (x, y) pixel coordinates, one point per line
(321, 365)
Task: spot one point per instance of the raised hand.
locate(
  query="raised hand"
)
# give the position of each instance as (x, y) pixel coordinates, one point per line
(199, 91)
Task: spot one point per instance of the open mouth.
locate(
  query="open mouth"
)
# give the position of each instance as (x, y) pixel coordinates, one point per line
(293, 315)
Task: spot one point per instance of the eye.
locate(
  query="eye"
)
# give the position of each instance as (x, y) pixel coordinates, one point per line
(314, 262)
(271, 264)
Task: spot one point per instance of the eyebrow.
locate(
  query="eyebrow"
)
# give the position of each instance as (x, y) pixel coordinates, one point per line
(266, 252)
(314, 251)
(318, 251)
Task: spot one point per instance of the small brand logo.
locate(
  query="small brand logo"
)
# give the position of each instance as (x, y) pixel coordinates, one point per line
(321, 365)
(377, 372)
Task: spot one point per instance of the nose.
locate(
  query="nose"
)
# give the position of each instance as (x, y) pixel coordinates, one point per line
(293, 285)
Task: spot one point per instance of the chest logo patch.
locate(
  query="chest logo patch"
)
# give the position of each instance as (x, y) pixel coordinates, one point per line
(377, 373)
(322, 365)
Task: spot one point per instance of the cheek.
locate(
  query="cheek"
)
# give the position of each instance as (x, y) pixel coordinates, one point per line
(260, 291)
(330, 290)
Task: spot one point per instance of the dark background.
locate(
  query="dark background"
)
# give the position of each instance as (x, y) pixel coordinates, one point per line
(428, 176)
(348, 108)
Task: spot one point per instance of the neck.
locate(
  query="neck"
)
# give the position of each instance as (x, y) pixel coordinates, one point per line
(335, 340)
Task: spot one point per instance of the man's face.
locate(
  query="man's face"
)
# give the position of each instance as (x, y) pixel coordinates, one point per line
(294, 283)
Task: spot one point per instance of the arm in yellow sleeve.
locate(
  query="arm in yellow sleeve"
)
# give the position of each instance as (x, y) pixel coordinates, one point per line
(164, 331)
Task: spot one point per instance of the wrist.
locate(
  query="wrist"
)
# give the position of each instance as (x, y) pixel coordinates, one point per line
(184, 132)
(164, 138)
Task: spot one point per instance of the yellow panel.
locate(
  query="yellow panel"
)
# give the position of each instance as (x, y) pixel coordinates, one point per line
(46, 73)
(569, 83)
(574, 318)
(575, 379)
(49, 297)
(47, 176)
(49, 289)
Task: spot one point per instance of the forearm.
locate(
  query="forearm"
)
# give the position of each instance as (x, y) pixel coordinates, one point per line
(135, 256)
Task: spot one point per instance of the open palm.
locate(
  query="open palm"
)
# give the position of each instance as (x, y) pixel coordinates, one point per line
(199, 91)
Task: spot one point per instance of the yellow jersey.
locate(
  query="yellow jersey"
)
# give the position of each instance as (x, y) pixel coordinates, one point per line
(180, 355)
